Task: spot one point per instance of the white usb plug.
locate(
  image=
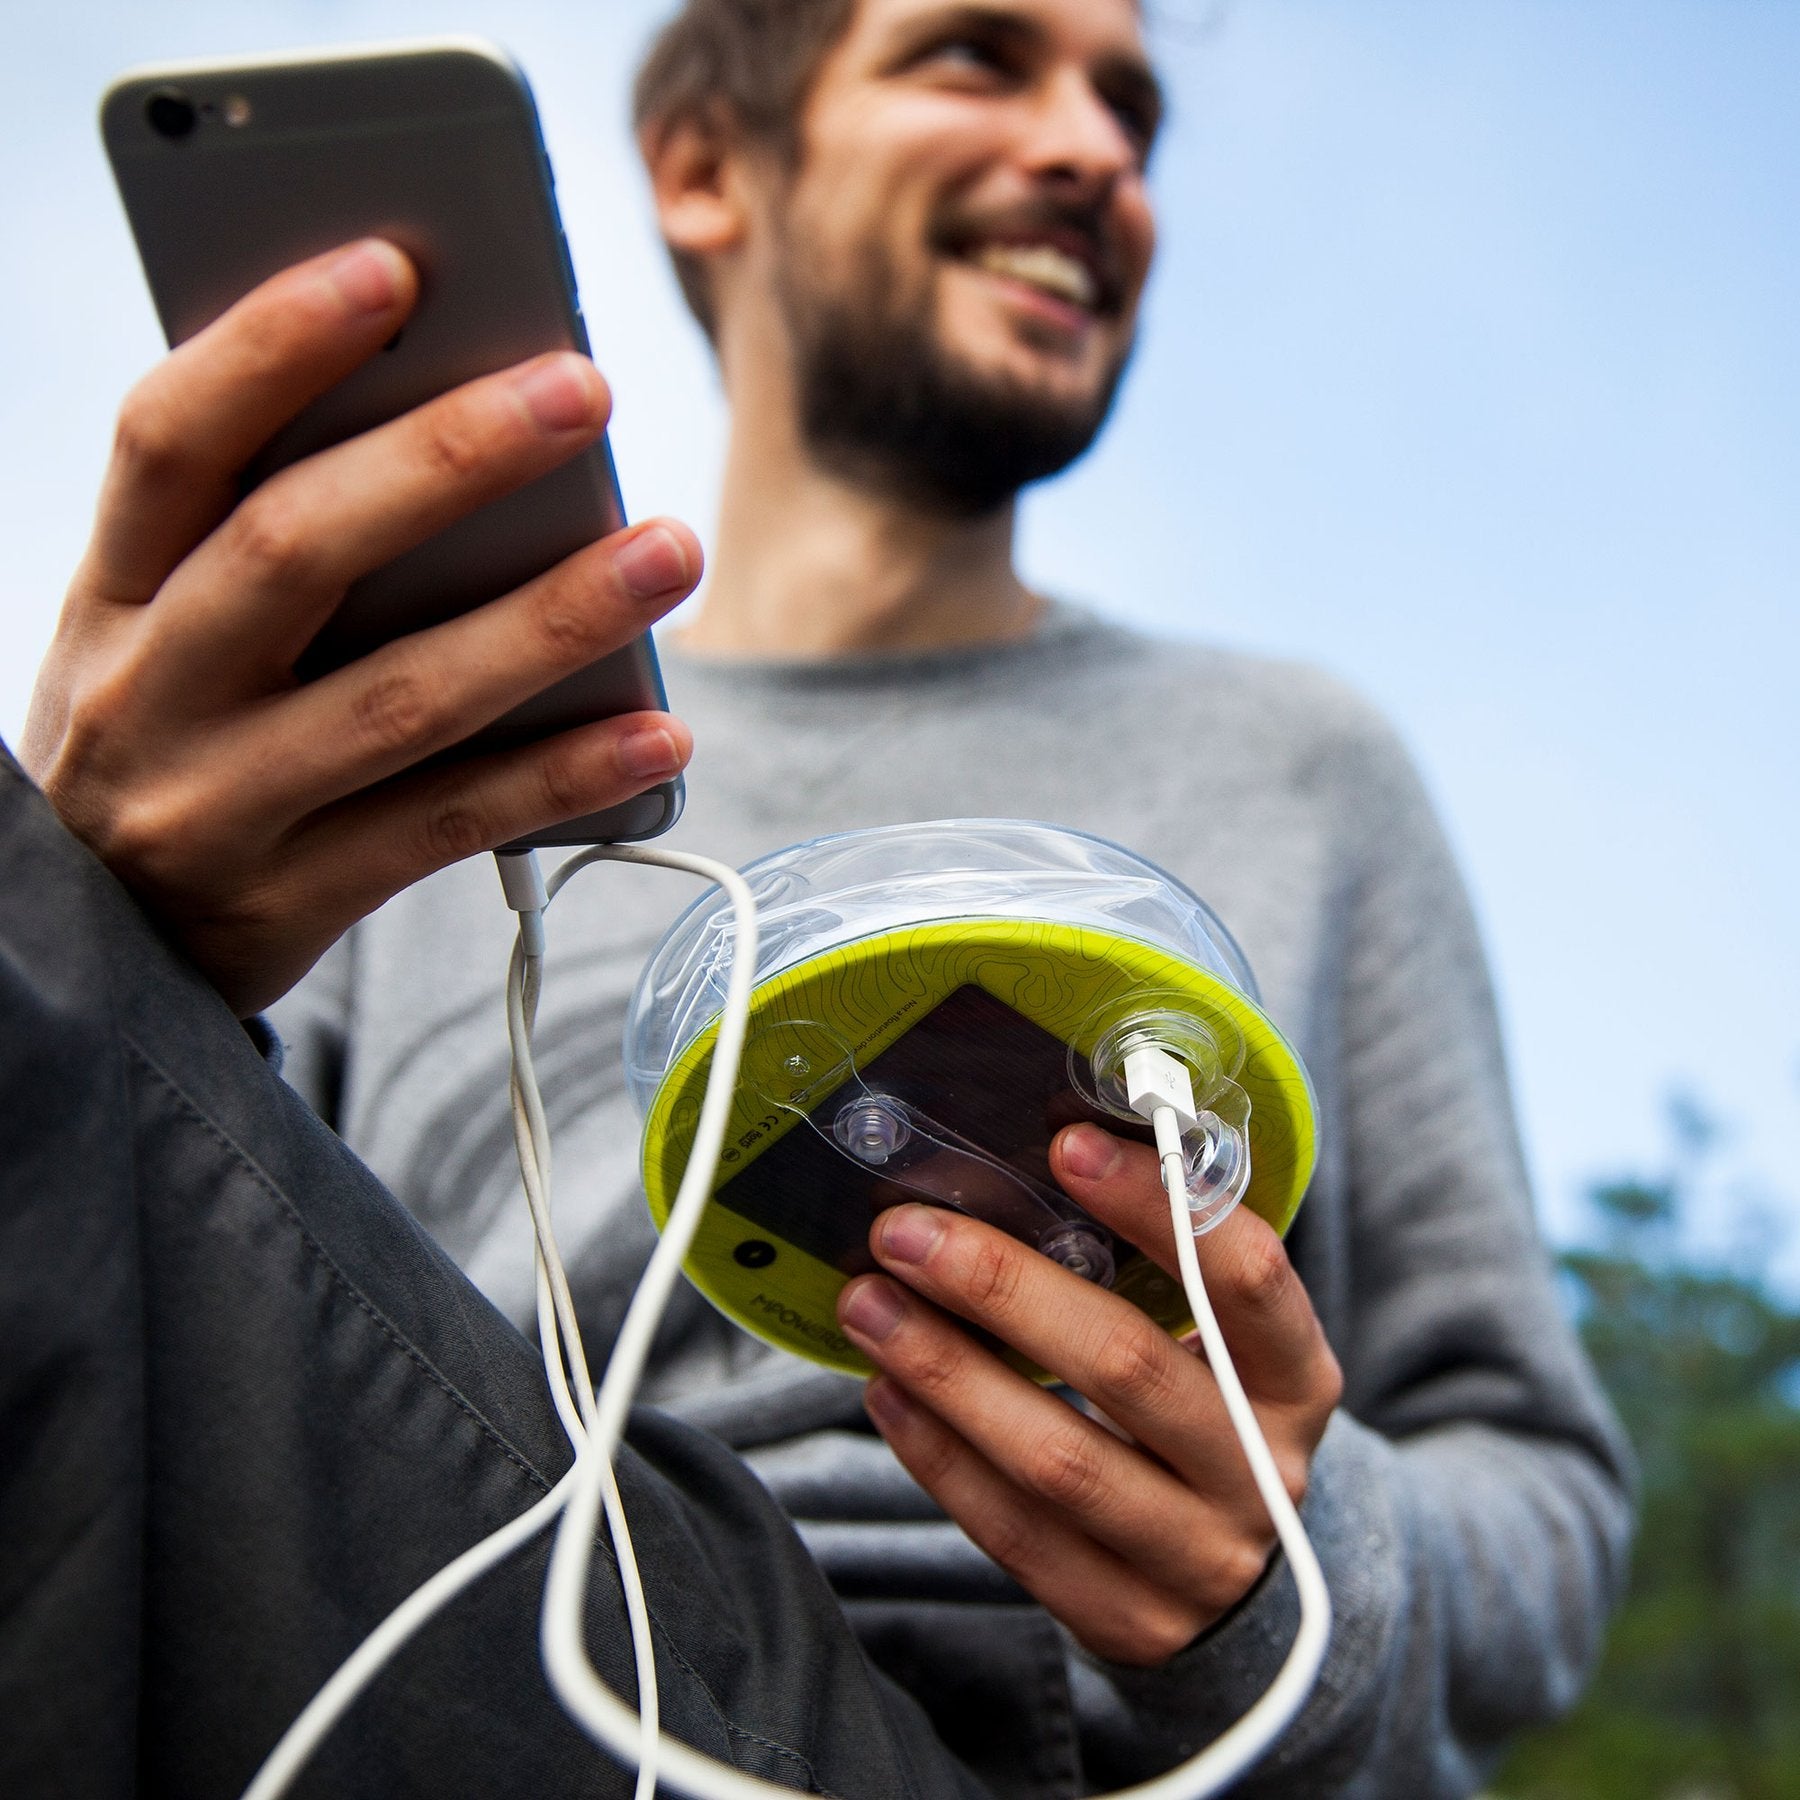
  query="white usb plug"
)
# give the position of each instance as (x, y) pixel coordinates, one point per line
(1160, 1088)
(523, 882)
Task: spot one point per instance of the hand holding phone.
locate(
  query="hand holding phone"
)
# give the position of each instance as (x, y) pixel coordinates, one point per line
(258, 816)
(359, 602)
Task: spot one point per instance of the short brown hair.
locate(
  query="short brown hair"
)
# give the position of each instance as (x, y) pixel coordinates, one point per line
(747, 63)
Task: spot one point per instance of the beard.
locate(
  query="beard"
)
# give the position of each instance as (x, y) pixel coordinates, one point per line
(883, 405)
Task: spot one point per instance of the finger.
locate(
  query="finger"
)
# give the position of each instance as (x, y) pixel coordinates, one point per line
(257, 591)
(1109, 1489)
(1262, 1305)
(412, 828)
(190, 426)
(339, 866)
(1099, 1344)
(391, 709)
(405, 830)
(1111, 1608)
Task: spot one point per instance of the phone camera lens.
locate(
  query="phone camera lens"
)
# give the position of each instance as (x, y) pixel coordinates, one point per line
(171, 114)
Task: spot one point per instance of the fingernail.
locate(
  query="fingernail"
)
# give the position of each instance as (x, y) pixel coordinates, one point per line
(885, 1402)
(559, 391)
(368, 275)
(649, 752)
(872, 1310)
(911, 1233)
(652, 564)
(1089, 1152)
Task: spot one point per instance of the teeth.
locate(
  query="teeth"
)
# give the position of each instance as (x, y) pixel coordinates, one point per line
(1044, 266)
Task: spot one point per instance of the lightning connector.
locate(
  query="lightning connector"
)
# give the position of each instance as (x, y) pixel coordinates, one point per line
(1161, 1090)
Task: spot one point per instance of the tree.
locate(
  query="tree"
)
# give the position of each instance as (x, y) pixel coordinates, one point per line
(1698, 1693)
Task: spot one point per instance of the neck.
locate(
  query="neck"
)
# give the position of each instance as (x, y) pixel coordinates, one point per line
(807, 564)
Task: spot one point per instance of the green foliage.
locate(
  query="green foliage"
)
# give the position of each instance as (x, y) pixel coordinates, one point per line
(1698, 1695)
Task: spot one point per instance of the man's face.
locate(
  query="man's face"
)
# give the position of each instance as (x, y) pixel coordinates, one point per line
(965, 239)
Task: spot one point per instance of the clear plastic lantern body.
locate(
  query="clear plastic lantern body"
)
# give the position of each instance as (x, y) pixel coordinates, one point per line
(933, 1002)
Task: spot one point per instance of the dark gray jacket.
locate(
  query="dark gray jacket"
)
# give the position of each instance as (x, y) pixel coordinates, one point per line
(246, 1406)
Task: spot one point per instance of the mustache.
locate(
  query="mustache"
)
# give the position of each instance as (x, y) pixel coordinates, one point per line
(1082, 229)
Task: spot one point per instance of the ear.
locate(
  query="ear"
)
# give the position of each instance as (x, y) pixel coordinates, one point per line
(695, 178)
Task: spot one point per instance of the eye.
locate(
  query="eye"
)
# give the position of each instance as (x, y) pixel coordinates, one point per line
(1137, 107)
(1139, 126)
(972, 51)
(968, 54)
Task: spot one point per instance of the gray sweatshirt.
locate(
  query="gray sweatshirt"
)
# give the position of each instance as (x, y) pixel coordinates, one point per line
(1469, 1501)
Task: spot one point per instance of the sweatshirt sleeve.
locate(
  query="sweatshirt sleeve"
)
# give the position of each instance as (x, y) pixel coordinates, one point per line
(312, 1026)
(1470, 1501)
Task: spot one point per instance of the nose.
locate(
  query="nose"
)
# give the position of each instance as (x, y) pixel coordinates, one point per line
(1076, 137)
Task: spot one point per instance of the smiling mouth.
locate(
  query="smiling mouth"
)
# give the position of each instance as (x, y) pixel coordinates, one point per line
(1047, 268)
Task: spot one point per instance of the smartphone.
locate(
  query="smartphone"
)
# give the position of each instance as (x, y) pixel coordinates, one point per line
(232, 171)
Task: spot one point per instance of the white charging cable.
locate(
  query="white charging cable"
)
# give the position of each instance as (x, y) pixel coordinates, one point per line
(1160, 1089)
(560, 1340)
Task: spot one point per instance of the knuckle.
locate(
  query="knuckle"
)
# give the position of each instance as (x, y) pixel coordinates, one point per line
(1263, 1274)
(1329, 1379)
(269, 530)
(1164, 1631)
(1236, 1570)
(570, 632)
(991, 1279)
(932, 1459)
(450, 445)
(395, 710)
(151, 835)
(564, 790)
(1009, 1541)
(98, 714)
(931, 1367)
(145, 440)
(1134, 1367)
(135, 831)
(1295, 1469)
(1068, 1469)
(1145, 1633)
(452, 831)
(79, 755)
(1116, 1642)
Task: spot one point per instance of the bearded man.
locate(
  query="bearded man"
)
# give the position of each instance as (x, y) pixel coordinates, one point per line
(917, 234)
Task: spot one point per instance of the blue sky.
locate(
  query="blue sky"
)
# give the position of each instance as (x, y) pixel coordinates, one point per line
(1470, 371)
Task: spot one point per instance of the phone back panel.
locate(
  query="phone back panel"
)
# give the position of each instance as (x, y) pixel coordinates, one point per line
(436, 148)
